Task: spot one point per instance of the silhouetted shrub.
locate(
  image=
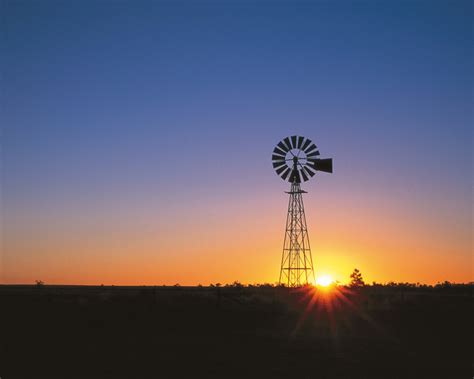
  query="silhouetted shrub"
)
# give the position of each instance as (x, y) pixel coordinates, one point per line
(356, 279)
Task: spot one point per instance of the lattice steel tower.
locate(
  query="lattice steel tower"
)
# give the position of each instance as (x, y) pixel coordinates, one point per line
(294, 159)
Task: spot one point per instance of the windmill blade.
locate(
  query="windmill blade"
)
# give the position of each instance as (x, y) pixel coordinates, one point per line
(306, 144)
(277, 158)
(324, 165)
(313, 154)
(293, 141)
(287, 142)
(310, 148)
(308, 171)
(285, 174)
(282, 146)
(300, 142)
(312, 164)
(278, 163)
(276, 150)
(281, 169)
(303, 174)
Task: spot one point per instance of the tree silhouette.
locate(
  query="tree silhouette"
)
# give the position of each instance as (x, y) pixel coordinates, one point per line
(356, 279)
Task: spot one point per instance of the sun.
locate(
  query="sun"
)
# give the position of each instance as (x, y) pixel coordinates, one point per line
(324, 280)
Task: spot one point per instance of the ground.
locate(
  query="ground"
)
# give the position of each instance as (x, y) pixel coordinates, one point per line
(235, 332)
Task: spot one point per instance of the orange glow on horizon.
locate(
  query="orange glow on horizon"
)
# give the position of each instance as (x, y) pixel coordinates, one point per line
(239, 241)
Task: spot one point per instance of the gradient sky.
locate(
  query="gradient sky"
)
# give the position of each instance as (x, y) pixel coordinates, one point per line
(137, 136)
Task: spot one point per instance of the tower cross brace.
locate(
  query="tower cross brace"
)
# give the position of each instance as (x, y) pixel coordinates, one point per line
(296, 261)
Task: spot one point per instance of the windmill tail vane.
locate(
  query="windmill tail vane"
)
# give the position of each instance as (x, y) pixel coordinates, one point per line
(296, 159)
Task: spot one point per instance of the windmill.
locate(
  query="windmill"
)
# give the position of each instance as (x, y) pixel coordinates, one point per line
(296, 159)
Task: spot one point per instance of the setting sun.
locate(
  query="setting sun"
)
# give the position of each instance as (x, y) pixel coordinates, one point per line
(324, 280)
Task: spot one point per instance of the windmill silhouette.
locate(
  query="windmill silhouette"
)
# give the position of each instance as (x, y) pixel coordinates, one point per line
(295, 159)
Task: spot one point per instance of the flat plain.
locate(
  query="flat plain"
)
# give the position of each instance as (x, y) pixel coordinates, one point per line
(236, 332)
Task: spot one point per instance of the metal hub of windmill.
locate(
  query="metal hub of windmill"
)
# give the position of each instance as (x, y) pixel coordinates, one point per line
(295, 159)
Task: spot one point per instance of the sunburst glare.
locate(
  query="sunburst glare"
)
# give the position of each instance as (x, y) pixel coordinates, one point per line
(324, 280)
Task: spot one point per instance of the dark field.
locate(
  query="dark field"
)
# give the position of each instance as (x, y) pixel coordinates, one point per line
(234, 332)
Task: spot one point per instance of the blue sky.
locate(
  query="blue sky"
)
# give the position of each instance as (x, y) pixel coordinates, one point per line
(113, 107)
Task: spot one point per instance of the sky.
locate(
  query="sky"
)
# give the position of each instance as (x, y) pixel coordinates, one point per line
(137, 136)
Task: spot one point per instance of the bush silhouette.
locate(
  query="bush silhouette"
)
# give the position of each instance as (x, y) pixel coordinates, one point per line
(356, 279)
